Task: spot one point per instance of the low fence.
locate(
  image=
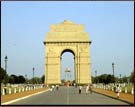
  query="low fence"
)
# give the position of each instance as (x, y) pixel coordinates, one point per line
(18, 89)
(111, 87)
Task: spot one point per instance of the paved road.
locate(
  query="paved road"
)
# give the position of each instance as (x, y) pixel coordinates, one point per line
(69, 96)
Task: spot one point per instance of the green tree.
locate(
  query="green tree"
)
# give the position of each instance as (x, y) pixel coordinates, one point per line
(6, 79)
(110, 79)
(21, 79)
(117, 79)
(124, 79)
(11, 80)
(14, 79)
(92, 78)
(3, 74)
(95, 79)
(104, 78)
(36, 80)
(132, 77)
(43, 78)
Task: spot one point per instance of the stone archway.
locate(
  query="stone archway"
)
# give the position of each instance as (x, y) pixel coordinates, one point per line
(67, 36)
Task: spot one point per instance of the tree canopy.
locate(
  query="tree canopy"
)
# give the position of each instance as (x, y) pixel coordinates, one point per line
(104, 78)
(3, 76)
(131, 77)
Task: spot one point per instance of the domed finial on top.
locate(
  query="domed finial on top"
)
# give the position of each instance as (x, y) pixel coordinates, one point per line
(68, 69)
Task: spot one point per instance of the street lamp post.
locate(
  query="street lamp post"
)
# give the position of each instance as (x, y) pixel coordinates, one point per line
(33, 74)
(120, 78)
(113, 71)
(95, 73)
(96, 76)
(6, 58)
(25, 78)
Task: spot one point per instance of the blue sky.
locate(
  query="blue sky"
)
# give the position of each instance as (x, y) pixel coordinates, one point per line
(109, 24)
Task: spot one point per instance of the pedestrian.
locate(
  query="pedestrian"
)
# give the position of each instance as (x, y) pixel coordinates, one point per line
(87, 88)
(80, 89)
(118, 91)
(90, 88)
(57, 87)
(52, 87)
(114, 88)
(74, 84)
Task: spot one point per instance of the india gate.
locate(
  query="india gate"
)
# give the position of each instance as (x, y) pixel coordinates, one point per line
(67, 36)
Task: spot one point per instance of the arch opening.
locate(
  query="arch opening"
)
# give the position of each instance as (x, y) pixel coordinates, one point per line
(67, 50)
(67, 63)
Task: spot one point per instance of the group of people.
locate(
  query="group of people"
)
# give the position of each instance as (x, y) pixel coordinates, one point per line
(88, 88)
(54, 87)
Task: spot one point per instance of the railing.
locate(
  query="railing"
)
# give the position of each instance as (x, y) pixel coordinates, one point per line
(111, 87)
(19, 88)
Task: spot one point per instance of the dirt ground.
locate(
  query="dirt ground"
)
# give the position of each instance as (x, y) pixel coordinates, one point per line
(123, 96)
(6, 98)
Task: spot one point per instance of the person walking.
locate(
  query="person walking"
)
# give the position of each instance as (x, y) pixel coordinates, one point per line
(87, 88)
(53, 87)
(90, 88)
(118, 91)
(74, 84)
(80, 89)
(57, 87)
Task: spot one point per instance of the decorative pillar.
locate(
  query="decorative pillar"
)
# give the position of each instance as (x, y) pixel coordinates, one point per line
(19, 89)
(3, 91)
(126, 90)
(132, 91)
(23, 89)
(14, 90)
(9, 91)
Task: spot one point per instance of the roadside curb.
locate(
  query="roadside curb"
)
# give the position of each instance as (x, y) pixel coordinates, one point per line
(115, 98)
(18, 99)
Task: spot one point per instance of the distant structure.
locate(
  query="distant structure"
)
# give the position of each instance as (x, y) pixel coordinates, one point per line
(67, 37)
(68, 74)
